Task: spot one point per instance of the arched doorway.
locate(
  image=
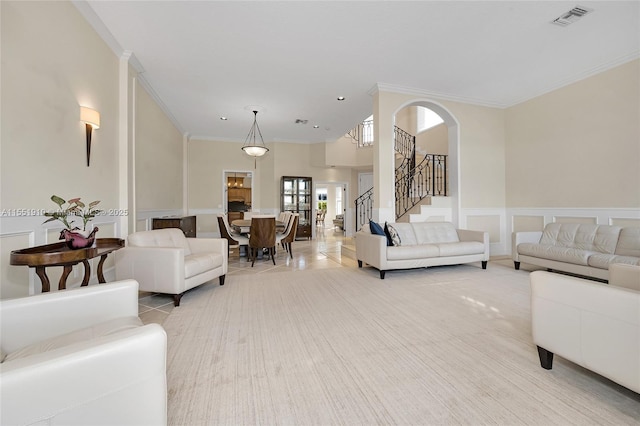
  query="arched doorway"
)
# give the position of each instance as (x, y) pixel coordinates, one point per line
(453, 143)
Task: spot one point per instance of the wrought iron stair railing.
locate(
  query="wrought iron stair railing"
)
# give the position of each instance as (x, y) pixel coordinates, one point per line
(413, 183)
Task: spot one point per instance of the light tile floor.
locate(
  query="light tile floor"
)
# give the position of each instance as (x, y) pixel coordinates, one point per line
(322, 252)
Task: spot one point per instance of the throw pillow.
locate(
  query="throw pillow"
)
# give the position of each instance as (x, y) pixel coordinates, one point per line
(376, 228)
(395, 238)
(386, 232)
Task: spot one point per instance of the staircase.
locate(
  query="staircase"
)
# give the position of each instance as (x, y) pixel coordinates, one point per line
(415, 184)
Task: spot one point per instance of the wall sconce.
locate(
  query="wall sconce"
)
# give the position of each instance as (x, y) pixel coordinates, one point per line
(91, 119)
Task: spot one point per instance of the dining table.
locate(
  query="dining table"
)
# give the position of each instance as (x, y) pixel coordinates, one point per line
(242, 226)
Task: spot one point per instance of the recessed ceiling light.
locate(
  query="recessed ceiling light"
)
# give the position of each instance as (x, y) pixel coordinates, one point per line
(341, 98)
(223, 118)
(316, 126)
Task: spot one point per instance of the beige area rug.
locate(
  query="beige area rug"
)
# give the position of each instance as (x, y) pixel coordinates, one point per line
(444, 345)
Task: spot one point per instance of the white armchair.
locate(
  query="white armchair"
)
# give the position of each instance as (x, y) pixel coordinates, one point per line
(592, 324)
(165, 261)
(81, 357)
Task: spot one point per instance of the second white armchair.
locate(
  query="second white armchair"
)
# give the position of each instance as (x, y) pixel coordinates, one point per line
(165, 261)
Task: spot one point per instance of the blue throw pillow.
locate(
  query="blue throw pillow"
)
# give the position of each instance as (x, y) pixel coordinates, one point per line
(377, 229)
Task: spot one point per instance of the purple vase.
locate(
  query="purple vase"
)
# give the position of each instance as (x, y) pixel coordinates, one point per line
(76, 240)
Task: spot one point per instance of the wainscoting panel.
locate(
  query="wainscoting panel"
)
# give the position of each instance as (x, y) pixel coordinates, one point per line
(623, 221)
(491, 221)
(17, 281)
(528, 223)
(573, 219)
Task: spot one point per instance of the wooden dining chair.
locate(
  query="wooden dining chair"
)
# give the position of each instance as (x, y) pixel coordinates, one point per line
(262, 234)
(289, 237)
(235, 240)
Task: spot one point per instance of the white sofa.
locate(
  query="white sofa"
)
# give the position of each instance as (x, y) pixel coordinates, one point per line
(592, 324)
(165, 261)
(422, 244)
(582, 249)
(81, 357)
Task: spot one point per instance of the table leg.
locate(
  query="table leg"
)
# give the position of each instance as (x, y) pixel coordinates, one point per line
(100, 274)
(63, 278)
(87, 273)
(44, 279)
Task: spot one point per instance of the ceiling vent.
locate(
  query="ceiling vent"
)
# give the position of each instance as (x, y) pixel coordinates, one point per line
(571, 16)
(300, 121)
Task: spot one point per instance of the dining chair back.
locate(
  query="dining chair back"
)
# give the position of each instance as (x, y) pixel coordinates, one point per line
(262, 234)
(290, 236)
(235, 240)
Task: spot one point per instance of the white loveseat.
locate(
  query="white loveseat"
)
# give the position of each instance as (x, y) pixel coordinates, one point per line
(592, 324)
(81, 357)
(165, 261)
(422, 244)
(582, 249)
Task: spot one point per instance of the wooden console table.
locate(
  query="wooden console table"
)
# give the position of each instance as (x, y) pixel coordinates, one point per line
(59, 254)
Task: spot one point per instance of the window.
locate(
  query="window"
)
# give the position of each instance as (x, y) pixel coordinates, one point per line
(321, 197)
(427, 119)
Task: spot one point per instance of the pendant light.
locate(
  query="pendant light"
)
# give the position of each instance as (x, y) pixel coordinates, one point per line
(253, 147)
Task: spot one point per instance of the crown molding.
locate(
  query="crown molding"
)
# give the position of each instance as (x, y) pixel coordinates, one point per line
(580, 76)
(394, 88)
(386, 87)
(99, 27)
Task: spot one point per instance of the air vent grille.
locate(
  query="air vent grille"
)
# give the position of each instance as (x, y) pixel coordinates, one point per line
(571, 16)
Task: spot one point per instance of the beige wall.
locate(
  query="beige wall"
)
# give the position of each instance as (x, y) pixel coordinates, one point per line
(578, 146)
(52, 63)
(158, 157)
(434, 140)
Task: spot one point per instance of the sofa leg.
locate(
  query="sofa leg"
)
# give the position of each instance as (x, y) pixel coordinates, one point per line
(546, 358)
(516, 265)
(382, 275)
(176, 299)
(359, 263)
(222, 277)
(484, 264)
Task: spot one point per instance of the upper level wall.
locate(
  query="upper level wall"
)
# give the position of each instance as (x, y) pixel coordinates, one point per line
(578, 146)
(158, 156)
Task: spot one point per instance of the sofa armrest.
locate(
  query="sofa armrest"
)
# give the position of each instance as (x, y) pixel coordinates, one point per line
(204, 245)
(592, 324)
(523, 237)
(119, 379)
(32, 319)
(623, 275)
(157, 269)
(478, 236)
(372, 249)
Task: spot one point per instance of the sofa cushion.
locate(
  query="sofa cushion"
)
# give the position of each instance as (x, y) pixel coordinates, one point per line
(405, 232)
(435, 232)
(195, 264)
(629, 242)
(558, 253)
(596, 238)
(103, 329)
(460, 248)
(392, 235)
(603, 260)
(420, 251)
(168, 237)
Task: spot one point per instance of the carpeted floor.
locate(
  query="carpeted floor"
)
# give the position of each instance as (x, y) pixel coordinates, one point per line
(444, 345)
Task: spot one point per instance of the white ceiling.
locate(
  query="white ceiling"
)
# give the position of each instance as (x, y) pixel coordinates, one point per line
(207, 59)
